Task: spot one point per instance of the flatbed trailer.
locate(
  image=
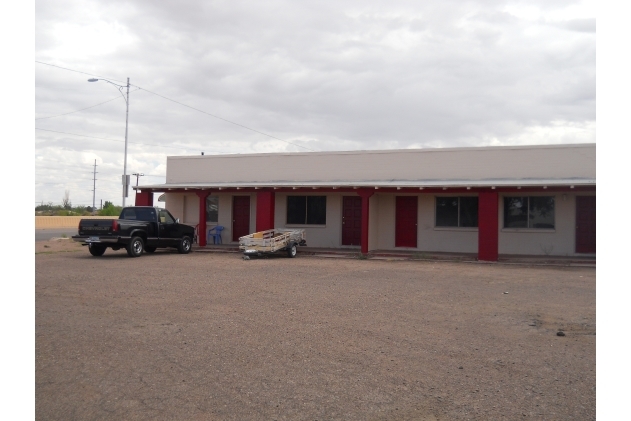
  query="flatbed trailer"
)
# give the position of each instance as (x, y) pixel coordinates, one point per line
(272, 241)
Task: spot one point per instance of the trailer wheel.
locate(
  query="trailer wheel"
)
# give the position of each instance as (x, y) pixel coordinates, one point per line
(135, 247)
(292, 250)
(96, 250)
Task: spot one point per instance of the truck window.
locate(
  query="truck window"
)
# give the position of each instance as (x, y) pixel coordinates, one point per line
(148, 215)
(128, 213)
(165, 217)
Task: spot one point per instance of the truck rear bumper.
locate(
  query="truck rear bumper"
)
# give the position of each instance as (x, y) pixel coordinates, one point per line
(84, 239)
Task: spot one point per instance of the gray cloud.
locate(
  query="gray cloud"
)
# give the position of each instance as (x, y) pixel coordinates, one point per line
(326, 75)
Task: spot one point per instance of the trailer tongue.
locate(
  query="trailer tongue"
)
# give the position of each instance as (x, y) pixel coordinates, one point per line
(272, 241)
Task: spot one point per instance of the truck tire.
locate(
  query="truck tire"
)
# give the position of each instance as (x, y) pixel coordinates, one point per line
(135, 247)
(292, 250)
(96, 250)
(150, 249)
(185, 245)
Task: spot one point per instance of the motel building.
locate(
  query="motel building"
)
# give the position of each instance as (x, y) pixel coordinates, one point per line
(489, 201)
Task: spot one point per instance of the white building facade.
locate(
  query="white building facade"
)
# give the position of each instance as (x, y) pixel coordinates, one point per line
(522, 200)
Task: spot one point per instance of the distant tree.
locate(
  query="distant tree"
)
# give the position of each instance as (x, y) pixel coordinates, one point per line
(110, 210)
(65, 202)
(46, 207)
(107, 203)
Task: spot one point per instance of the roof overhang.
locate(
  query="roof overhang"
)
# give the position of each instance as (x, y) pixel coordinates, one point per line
(376, 183)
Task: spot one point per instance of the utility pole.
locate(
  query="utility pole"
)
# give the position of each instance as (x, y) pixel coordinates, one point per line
(94, 189)
(138, 174)
(126, 97)
(125, 176)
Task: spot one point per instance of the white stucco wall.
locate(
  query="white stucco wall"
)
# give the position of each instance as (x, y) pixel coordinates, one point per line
(186, 207)
(561, 241)
(328, 235)
(429, 238)
(557, 242)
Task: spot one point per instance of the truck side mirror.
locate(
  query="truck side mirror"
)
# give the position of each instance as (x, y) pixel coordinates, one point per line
(177, 220)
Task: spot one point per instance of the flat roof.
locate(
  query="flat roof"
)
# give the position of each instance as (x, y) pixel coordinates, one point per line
(494, 166)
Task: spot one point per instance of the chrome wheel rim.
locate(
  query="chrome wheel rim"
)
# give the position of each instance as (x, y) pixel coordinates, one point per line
(137, 247)
(186, 244)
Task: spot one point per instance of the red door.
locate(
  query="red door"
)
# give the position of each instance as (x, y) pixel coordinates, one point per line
(240, 217)
(351, 221)
(586, 224)
(406, 221)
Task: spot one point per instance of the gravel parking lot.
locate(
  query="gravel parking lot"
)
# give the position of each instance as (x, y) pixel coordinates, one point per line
(209, 336)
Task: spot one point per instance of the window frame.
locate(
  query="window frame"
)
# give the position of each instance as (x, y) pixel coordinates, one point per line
(208, 221)
(306, 216)
(459, 226)
(529, 228)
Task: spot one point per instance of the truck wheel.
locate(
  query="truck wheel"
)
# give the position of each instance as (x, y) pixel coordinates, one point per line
(185, 245)
(291, 250)
(96, 250)
(135, 247)
(150, 249)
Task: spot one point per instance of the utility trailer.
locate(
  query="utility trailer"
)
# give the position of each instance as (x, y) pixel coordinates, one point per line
(272, 241)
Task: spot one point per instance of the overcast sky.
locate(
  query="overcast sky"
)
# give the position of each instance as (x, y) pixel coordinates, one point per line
(315, 76)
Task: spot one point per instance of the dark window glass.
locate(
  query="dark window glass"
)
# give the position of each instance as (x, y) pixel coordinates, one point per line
(468, 211)
(316, 210)
(529, 212)
(296, 209)
(165, 217)
(541, 212)
(456, 211)
(129, 213)
(310, 210)
(515, 212)
(212, 209)
(446, 211)
(146, 214)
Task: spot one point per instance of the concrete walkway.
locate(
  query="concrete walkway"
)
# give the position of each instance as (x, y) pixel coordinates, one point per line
(354, 253)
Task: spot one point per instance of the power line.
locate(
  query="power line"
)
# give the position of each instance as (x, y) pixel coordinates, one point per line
(114, 140)
(77, 71)
(188, 106)
(82, 135)
(71, 112)
(220, 118)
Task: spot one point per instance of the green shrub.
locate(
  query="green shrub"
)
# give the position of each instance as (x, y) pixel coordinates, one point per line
(110, 210)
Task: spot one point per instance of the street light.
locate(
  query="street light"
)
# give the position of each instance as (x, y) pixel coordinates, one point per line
(137, 175)
(126, 98)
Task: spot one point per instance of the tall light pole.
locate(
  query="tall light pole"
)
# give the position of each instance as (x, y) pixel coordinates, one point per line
(126, 98)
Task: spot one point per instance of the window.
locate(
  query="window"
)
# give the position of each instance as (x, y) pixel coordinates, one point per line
(457, 211)
(165, 217)
(529, 212)
(212, 209)
(306, 210)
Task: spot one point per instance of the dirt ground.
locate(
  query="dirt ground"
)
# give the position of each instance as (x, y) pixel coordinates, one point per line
(209, 336)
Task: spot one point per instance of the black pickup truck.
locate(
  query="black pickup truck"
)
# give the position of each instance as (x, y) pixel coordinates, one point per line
(138, 229)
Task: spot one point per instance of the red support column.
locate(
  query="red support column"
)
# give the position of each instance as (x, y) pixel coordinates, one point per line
(488, 226)
(365, 195)
(144, 198)
(201, 233)
(265, 203)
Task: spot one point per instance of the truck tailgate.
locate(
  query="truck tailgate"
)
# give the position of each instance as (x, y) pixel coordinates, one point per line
(96, 227)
